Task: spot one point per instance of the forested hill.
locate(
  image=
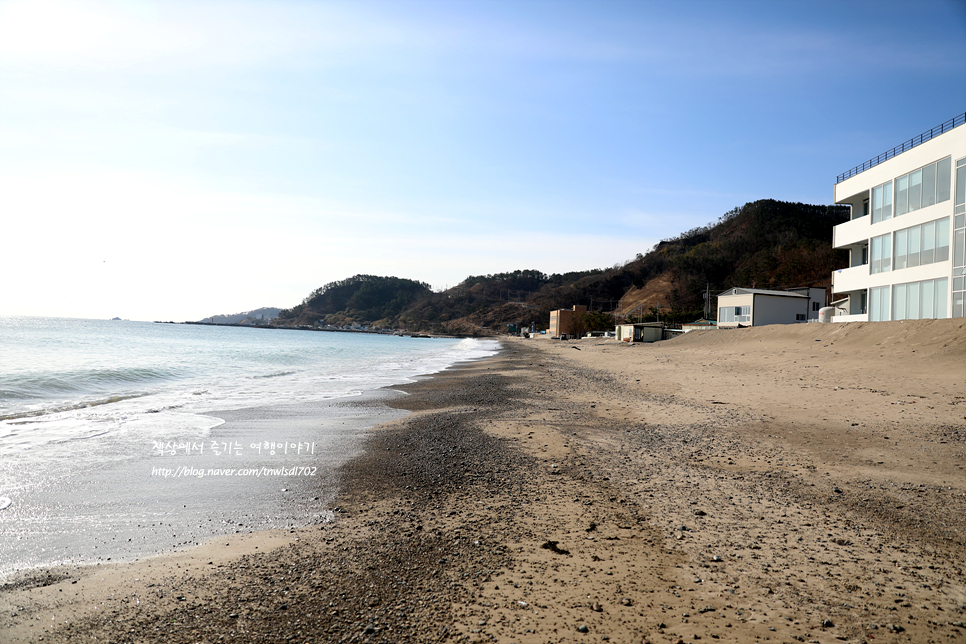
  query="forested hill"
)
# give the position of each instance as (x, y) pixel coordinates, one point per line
(361, 298)
(764, 244)
(258, 316)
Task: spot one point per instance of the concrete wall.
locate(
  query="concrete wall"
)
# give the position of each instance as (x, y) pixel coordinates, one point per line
(770, 309)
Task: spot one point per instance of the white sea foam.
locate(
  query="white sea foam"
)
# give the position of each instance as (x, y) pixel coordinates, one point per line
(115, 377)
(89, 410)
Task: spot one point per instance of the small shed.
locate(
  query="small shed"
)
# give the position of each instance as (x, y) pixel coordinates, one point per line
(641, 332)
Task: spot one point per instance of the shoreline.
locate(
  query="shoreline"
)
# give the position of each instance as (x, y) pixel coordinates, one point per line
(162, 503)
(576, 491)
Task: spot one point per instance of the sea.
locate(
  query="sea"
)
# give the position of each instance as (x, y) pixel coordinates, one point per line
(121, 439)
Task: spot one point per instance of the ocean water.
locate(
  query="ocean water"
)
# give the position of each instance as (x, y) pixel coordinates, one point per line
(122, 439)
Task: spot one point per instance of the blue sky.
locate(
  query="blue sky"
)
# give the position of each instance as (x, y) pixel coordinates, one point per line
(173, 160)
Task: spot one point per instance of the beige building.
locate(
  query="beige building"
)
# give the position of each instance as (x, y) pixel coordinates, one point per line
(562, 321)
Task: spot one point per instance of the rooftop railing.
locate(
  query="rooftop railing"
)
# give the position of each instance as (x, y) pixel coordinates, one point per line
(908, 145)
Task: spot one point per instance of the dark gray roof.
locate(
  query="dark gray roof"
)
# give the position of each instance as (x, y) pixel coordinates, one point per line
(759, 291)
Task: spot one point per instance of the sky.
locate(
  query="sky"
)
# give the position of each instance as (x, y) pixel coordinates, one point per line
(168, 160)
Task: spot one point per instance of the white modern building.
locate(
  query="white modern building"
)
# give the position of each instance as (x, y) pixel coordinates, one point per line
(906, 234)
(758, 307)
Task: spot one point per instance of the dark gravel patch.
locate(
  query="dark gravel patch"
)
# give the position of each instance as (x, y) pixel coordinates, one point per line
(406, 543)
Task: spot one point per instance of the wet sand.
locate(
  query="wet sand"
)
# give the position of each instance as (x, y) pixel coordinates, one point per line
(256, 471)
(780, 484)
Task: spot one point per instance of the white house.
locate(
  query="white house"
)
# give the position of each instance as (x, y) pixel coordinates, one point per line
(758, 307)
(906, 234)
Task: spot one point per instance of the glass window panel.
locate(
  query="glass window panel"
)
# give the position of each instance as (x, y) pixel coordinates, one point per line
(915, 190)
(876, 266)
(942, 294)
(928, 300)
(959, 249)
(960, 221)
(887, 199)
(913, 257)
(960, 186)
(900, 248)
(928, 243)
(899, 302)
(942, 239)
(874, 305)
(959, 283)
(929, 185)
(957, 305)
(942, 179)
(928, 236)
(912, 301)
(877, 205)
(886, 253)
(902, 195)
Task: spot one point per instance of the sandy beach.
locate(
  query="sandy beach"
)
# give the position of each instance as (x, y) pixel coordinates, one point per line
(782, 484)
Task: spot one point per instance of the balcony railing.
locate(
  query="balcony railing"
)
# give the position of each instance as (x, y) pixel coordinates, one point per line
(956, 121)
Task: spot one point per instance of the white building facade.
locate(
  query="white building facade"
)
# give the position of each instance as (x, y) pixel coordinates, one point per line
(907, 233)
(739, 307)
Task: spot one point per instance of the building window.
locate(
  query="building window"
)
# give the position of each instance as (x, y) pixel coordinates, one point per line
(960, 202)
(879, 303)
(882, 202)
(800, 317)
(815, 306)
(731, 314)
(959, 297)
(901, 247)
(923, 187)
(959, 242)
(881, 254)
(920, 245)
(920, 300)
